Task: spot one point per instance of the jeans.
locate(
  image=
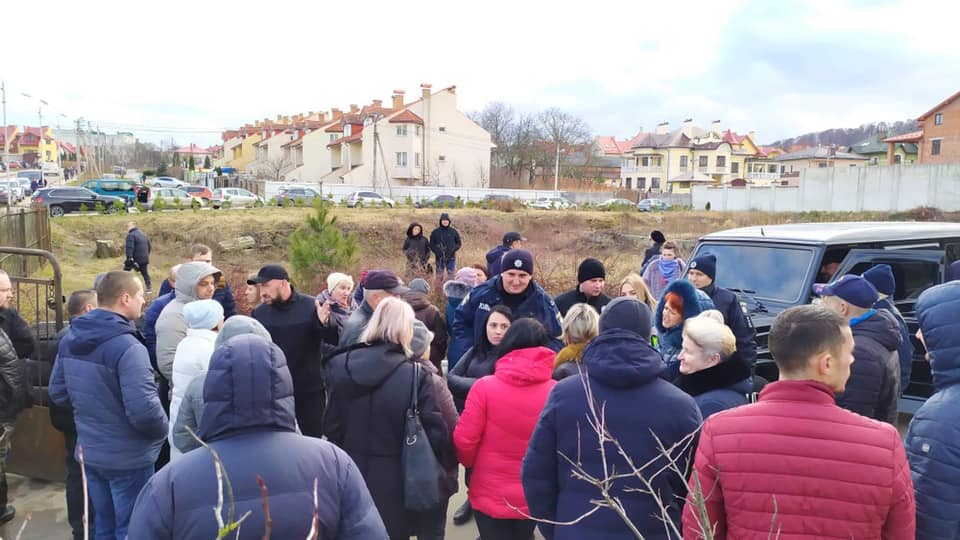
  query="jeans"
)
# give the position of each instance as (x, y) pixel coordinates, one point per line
(447, 265)
(113, 493)
(504, 529)
(5, 439)
(75, 491)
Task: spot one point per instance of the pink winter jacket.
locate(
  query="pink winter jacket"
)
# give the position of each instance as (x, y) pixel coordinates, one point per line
(501, 411)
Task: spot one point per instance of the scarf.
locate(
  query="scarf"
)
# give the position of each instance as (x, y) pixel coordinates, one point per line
(668, 269)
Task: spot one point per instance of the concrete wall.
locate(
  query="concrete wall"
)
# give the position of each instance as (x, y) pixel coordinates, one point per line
(854, 189)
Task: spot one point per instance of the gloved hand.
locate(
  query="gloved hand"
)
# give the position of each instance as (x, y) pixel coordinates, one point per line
(136, 266)
(128, 265)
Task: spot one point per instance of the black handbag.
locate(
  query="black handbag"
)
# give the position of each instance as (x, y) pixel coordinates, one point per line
(421, 470)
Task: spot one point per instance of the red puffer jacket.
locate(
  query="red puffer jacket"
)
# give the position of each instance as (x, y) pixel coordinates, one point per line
(797, 464)
(501, 411)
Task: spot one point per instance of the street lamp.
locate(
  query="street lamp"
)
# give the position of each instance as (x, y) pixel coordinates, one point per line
(39, 126)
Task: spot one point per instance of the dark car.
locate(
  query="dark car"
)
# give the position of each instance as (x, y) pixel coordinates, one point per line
(438, 201)
(651, 205)
(63, 200)
(784, 261)
(294, 194)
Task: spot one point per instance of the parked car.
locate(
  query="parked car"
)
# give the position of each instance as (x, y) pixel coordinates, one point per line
(493, 197)
(118, 187)
(63, 200)
(616, 204)
(14, 187)
(294, 194)
(235, 197)
(13, 165)
(552, 203)
(119, 170)
(438, 201)
(786, 260)
(5, 196)
(172, 198)
(359, 199)
(32, 174)
(200, 192)
(25, 184)
(651, 205)
(166, 181)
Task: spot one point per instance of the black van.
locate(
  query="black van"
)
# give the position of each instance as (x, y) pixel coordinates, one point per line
(773, 267)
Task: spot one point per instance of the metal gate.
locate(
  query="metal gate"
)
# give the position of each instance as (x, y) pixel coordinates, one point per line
(38, 449)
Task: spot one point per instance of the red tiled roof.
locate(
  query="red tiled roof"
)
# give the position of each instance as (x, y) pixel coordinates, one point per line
(335, 128)
(732, 138)
(351, 139)
(406, 117)
(68, 147)
(939, 106)
(295, 142)
(913, 136)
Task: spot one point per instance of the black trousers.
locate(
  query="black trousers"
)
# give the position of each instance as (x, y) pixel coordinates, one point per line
(75, 490)
(504, 529)
(146, 276)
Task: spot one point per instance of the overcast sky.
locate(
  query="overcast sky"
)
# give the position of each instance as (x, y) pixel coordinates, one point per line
(187, 70)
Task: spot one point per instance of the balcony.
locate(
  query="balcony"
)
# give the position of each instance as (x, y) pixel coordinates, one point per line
(762, 176)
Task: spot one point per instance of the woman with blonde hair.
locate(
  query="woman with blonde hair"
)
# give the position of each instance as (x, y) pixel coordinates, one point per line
(706, 371)
(633, 285)
(370, 387)
(580, 325)
(339, 293)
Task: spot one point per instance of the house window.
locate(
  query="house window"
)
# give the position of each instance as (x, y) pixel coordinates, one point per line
(822, 165)
(658, 161)
(935, 147)
(629, 183)
(442, 158)
(401, 130)
(721, 161)
(645, 162)
(938, 119)
(642, 183)
(443, 129)
(333, 137)
(683, 162)
(401, 159)
(655, 183)
(897, 159)
(735, 167)
(704, 162)
(416, 130)
(347, 130)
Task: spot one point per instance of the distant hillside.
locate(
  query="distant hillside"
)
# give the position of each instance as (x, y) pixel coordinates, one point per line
(849, 136)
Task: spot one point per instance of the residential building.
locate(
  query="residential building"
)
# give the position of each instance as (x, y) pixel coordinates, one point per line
(309, 153)
(876, 149)
(244, 152)
(8, 136)
(34, 144)
(818, 157)
(940, 138)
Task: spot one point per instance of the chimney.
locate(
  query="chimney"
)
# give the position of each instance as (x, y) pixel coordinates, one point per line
(662, 128)
(452, 89)
(425, 90)
(322, 116)
(687, 128)
(257, 124)
(715, 126)
(354, 109)
(753, 136)
(336, 114)
(397, 99)
(279, 118)
(378, 103)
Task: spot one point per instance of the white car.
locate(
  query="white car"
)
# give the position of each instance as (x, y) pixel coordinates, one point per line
(552, 203)
(17, 189)
(170, 198)
(236, 197)
(359, 199)
(166, 181)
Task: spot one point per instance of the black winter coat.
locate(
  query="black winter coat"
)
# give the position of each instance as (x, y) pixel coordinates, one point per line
(416, 248)
(445, 242)
(567, 300)
(18, 331)
(369, 392)
(61, 418)
(873, 389)
(726, 302)
(138, 246)
(14, 393)
(295, 328)
(472, 366)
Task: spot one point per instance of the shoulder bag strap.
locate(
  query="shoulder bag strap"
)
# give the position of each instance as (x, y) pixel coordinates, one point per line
(413, 393)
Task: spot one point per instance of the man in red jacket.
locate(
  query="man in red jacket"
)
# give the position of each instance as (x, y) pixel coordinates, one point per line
(795, 465)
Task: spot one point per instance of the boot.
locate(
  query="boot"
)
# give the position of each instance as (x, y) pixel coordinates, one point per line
(463, 514)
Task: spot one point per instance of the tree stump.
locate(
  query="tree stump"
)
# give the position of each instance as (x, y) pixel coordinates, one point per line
(106, 250)
(238, 243)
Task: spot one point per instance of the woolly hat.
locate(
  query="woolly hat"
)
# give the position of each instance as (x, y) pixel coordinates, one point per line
(658, 237)
(517, 259)
(419, 285)
(421, 339)
(203, 314)
(706, 264)
(881, 276)
(336, 278)
(466, 275)
(239, 325)
(590, 269)
(627, 313)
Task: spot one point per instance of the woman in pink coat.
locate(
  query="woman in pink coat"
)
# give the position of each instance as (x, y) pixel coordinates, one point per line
(492, 436)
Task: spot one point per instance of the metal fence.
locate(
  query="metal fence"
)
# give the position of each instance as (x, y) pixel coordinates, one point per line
(24, 228)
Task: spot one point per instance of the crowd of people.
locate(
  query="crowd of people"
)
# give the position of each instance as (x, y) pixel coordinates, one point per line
(584, 415)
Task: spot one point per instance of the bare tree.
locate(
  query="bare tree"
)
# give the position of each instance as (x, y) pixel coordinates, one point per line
(454, 176)
(483, 174)
(498, 119)
(273, 169)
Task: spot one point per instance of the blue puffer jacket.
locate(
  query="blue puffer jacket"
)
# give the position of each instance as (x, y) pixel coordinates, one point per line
(623, 372)
(455, 292)
(933, 439)
(670, 340)
(103, 371)
(534, 302)
(906, 346)
(248, 418)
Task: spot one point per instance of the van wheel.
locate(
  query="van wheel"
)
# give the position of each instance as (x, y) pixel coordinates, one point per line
(56, 211)
(112, 209)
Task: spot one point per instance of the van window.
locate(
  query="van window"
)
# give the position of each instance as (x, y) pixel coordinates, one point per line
(911, 277)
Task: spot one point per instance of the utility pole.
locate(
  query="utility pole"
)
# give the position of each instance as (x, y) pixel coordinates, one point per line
(6, 134)
(376, 142)
(556, 173)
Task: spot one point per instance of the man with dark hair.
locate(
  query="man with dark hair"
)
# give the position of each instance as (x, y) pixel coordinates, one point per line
(657, 239)
(874, 386)
(511, 240)
(138, 253)
(811, 468)
(301, 326)
(222, 293)
(702, 272)
(79, 303)
(591, 278)
(103, 371)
